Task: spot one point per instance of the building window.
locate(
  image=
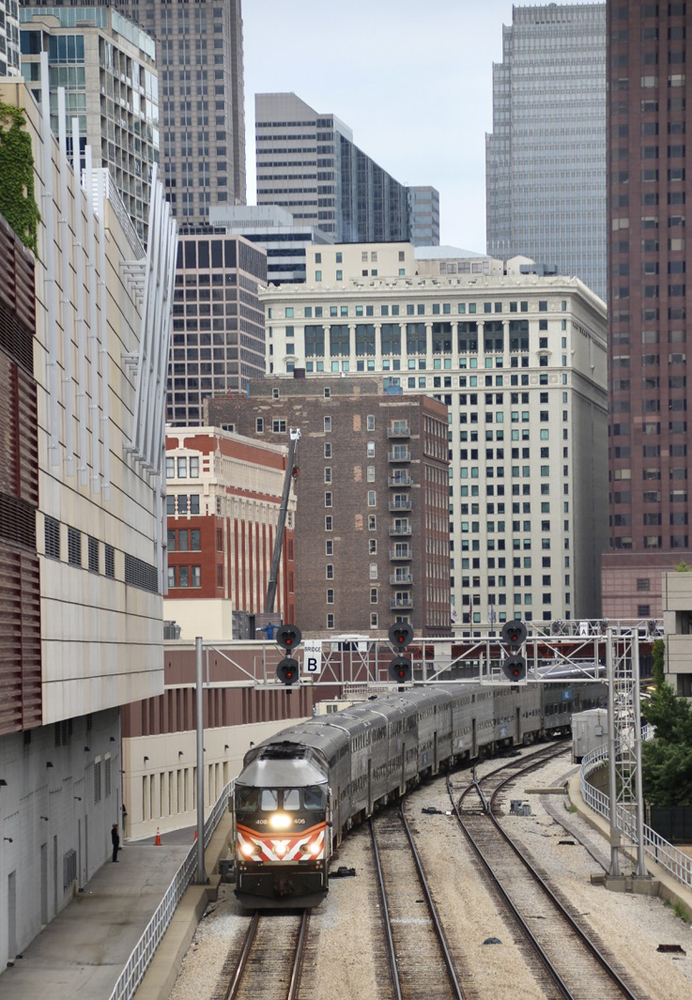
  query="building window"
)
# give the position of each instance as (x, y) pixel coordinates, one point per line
(327, 473)
(170, 468)
(371, 474)
(373, 595)
(328, 499)
(643, 583)
(373, 571)
(259, 425)
(330, 595)
(93, 554)
(372, 498)
(328, 450)
(643, 610)
(182, 468)
(371, 449)
(194, 467)
(370, 419)
(330, 621)
(328, 523)
(372, 546)
(329, 571)
(373, 620)
(327, 424)
(110, 562)
(279, 426)
(327, 393)
(372, 522)
(74, 546)
(195, 576)
(52, 529)
(329, 547)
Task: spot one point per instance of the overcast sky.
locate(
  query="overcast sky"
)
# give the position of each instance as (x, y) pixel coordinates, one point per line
(412, 80)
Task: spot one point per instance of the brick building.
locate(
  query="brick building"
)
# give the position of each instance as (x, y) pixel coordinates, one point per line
(223, 496)
(372, 525)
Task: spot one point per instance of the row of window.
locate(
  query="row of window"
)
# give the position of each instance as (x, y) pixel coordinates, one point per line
(412, 309)
(184, 576)
(182, 468)
(74, 548)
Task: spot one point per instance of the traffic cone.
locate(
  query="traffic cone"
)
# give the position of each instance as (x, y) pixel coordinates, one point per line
(195, 838)
(157, 838)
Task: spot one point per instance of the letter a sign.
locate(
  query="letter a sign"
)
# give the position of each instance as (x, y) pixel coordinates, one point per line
(312, 656)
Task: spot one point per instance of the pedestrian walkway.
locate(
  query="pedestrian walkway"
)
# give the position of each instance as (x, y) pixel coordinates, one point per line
(81, 953)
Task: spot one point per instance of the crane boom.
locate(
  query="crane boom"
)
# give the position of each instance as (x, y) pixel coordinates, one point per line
(294, 434)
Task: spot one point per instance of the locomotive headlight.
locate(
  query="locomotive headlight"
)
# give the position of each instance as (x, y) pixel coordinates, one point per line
(315, 847)
(279, 821)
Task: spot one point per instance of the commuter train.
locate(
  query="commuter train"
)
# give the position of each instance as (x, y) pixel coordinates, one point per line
(300, 791)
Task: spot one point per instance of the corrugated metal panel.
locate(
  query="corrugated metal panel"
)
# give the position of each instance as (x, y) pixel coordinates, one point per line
(20, 640)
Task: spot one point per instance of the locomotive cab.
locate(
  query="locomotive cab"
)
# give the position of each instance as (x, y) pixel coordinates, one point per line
(282, 832)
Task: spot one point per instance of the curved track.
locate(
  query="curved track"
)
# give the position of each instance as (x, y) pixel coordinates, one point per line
(270, 959)
(419, 958)
(566, 961)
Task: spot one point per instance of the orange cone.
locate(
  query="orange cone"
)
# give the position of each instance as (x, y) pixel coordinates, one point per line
(157, 838)
(195, 835)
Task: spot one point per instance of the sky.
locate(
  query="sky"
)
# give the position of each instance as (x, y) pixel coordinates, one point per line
(412, 81)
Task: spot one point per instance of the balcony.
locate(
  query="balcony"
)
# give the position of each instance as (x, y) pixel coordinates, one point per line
(400, 454)
(400, 528)
(401, 577)
(402, 480)
(399, 429)
(401, 603)
(395, 505)
(401, 552)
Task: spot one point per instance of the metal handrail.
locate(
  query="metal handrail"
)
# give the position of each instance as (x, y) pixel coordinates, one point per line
(143, 952)
(659, 850)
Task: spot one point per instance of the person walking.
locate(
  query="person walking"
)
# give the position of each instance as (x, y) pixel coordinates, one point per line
(115, 838)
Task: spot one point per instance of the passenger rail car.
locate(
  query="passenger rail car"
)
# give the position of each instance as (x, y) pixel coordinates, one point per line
(300, 791)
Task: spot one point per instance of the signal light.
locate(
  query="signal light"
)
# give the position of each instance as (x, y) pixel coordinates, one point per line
(514, 634)
(400, 635)
(289, 636)
(288, 670)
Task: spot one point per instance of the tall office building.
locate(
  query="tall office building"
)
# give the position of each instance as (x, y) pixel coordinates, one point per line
(545, 158)
(308, 163)
(9, 38)
(424, 216)
(649, 387)
(520, 362)
(218, 322)
(107, 66)
(200, 59)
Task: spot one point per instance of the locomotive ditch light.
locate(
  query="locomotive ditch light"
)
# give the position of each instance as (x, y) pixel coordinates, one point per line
(289, 636)
(288, 670)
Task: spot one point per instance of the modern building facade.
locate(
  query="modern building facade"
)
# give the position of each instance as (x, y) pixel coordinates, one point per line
(520, 362)
(546, 155)
(649, 387)
(107, 65)
(372, 532)
(200, 59)
(308, 163)
(81, 546)
(218, 322)
(424, 216)
(223, 496)
(9, 38)
(274, 229)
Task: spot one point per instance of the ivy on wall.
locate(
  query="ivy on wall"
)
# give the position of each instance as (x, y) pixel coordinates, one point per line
(17, 176)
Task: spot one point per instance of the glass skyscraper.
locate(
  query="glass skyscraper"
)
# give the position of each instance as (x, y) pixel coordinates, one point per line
(546, 155)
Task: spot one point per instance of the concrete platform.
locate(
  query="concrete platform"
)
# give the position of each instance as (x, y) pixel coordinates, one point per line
(81, 953)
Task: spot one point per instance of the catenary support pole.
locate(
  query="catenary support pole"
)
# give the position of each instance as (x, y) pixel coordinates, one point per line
(612, 771)
(201, 873)
(641, 857)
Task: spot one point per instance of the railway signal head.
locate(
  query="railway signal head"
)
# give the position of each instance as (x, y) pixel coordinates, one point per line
(289, 637)
(400, 669)
(400, 634)
(288, 670)
(514, 635)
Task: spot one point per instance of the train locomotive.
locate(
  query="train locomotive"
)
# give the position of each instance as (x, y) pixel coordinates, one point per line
(300, 791)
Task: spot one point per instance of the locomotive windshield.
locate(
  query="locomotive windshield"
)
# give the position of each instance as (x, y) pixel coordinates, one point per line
(312, 798)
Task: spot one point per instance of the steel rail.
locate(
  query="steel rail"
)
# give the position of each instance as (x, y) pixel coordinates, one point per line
(241, 965)
(294, 984)
(393, 965)
(534, 761)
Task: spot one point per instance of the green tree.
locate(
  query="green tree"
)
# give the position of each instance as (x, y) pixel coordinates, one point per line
(17, 202)
(667, 759)
(659, 656)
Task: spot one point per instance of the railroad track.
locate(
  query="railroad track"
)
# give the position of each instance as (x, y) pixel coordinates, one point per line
(565, 960)
(420, 962)
(270, 960)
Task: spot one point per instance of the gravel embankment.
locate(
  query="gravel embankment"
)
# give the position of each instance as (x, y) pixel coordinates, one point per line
(345, 960)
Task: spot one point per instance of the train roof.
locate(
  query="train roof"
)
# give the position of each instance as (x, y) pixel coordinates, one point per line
(317, 735)
(291, 772)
